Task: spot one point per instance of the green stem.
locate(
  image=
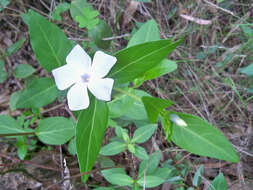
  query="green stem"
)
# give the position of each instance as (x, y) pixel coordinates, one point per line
(17, 134)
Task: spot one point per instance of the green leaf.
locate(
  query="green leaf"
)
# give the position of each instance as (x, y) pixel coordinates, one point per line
(9, 125)
(163, 173)
(147, 32)
(111, 175)
(164, 67)
(23, 71)
(142, 134)
(40, 92)
(140, 153)
(3, 73)
(100, 31)
(49, 43)
(128, 104)
(248, 70)
(150, 181)
(88, 18)
(117, 176)
(60, 8)
(22, 147)
(150, 165)
(200, 137)
(133, 62)
(198, 176)
(3, 4)
(76, 7)
(55, 130)
(247, 30)
(90, 130)
(14, 47)
(13, 100)
(155, 106)
(219, 182)
(72, 146)
(113, 148)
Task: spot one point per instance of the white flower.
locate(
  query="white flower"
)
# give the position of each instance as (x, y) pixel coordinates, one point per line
(177, 120)
(83, 75)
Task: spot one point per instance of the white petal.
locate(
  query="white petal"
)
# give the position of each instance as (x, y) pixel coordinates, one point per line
(101, 88)
(177, 120)
(79, 59)
(102, 63)
(78, 98)
(64, 77)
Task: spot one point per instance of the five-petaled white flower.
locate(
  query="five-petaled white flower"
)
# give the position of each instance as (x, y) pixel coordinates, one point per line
(81, 75)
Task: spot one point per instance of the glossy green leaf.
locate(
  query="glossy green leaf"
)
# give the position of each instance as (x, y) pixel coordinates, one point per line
(164, 67)
(155, 106)
(219, 182)
(248, 70)
(113, 148)
(100, 31)
(200, 137)
(55, 130)
(15, 47)
(117, 176)
(140, 153)
(49, 43)
(142, 134)
(133, 62)
(131, 148)
(147, 32)
(40, 92)
(23, 71)
(9, 125)
(3, 73)
(150, 181)
(60, 8)
(91, 126)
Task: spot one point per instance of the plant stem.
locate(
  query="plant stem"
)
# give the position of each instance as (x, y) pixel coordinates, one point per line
(17, 134)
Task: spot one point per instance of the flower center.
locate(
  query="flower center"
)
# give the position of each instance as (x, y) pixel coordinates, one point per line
(85, 78)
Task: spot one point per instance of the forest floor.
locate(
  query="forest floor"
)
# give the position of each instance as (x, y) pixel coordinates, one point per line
(207, 83)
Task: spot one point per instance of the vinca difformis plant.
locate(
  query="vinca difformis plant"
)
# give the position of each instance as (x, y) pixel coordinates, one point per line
(100, 95)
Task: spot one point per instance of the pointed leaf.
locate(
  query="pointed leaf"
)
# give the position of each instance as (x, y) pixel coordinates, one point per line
(90, 130)
(133, 62)
(155, 106)
(219, 182)
(147, 32)
(40, 92)
(113, 148)
(142, 134)
(141, 153)
(200, 137)
(49, 43)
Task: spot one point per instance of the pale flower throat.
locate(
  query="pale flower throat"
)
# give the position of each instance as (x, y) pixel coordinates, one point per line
(85, 78)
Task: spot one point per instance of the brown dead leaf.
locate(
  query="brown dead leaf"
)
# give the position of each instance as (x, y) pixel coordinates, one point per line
(130, 10)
